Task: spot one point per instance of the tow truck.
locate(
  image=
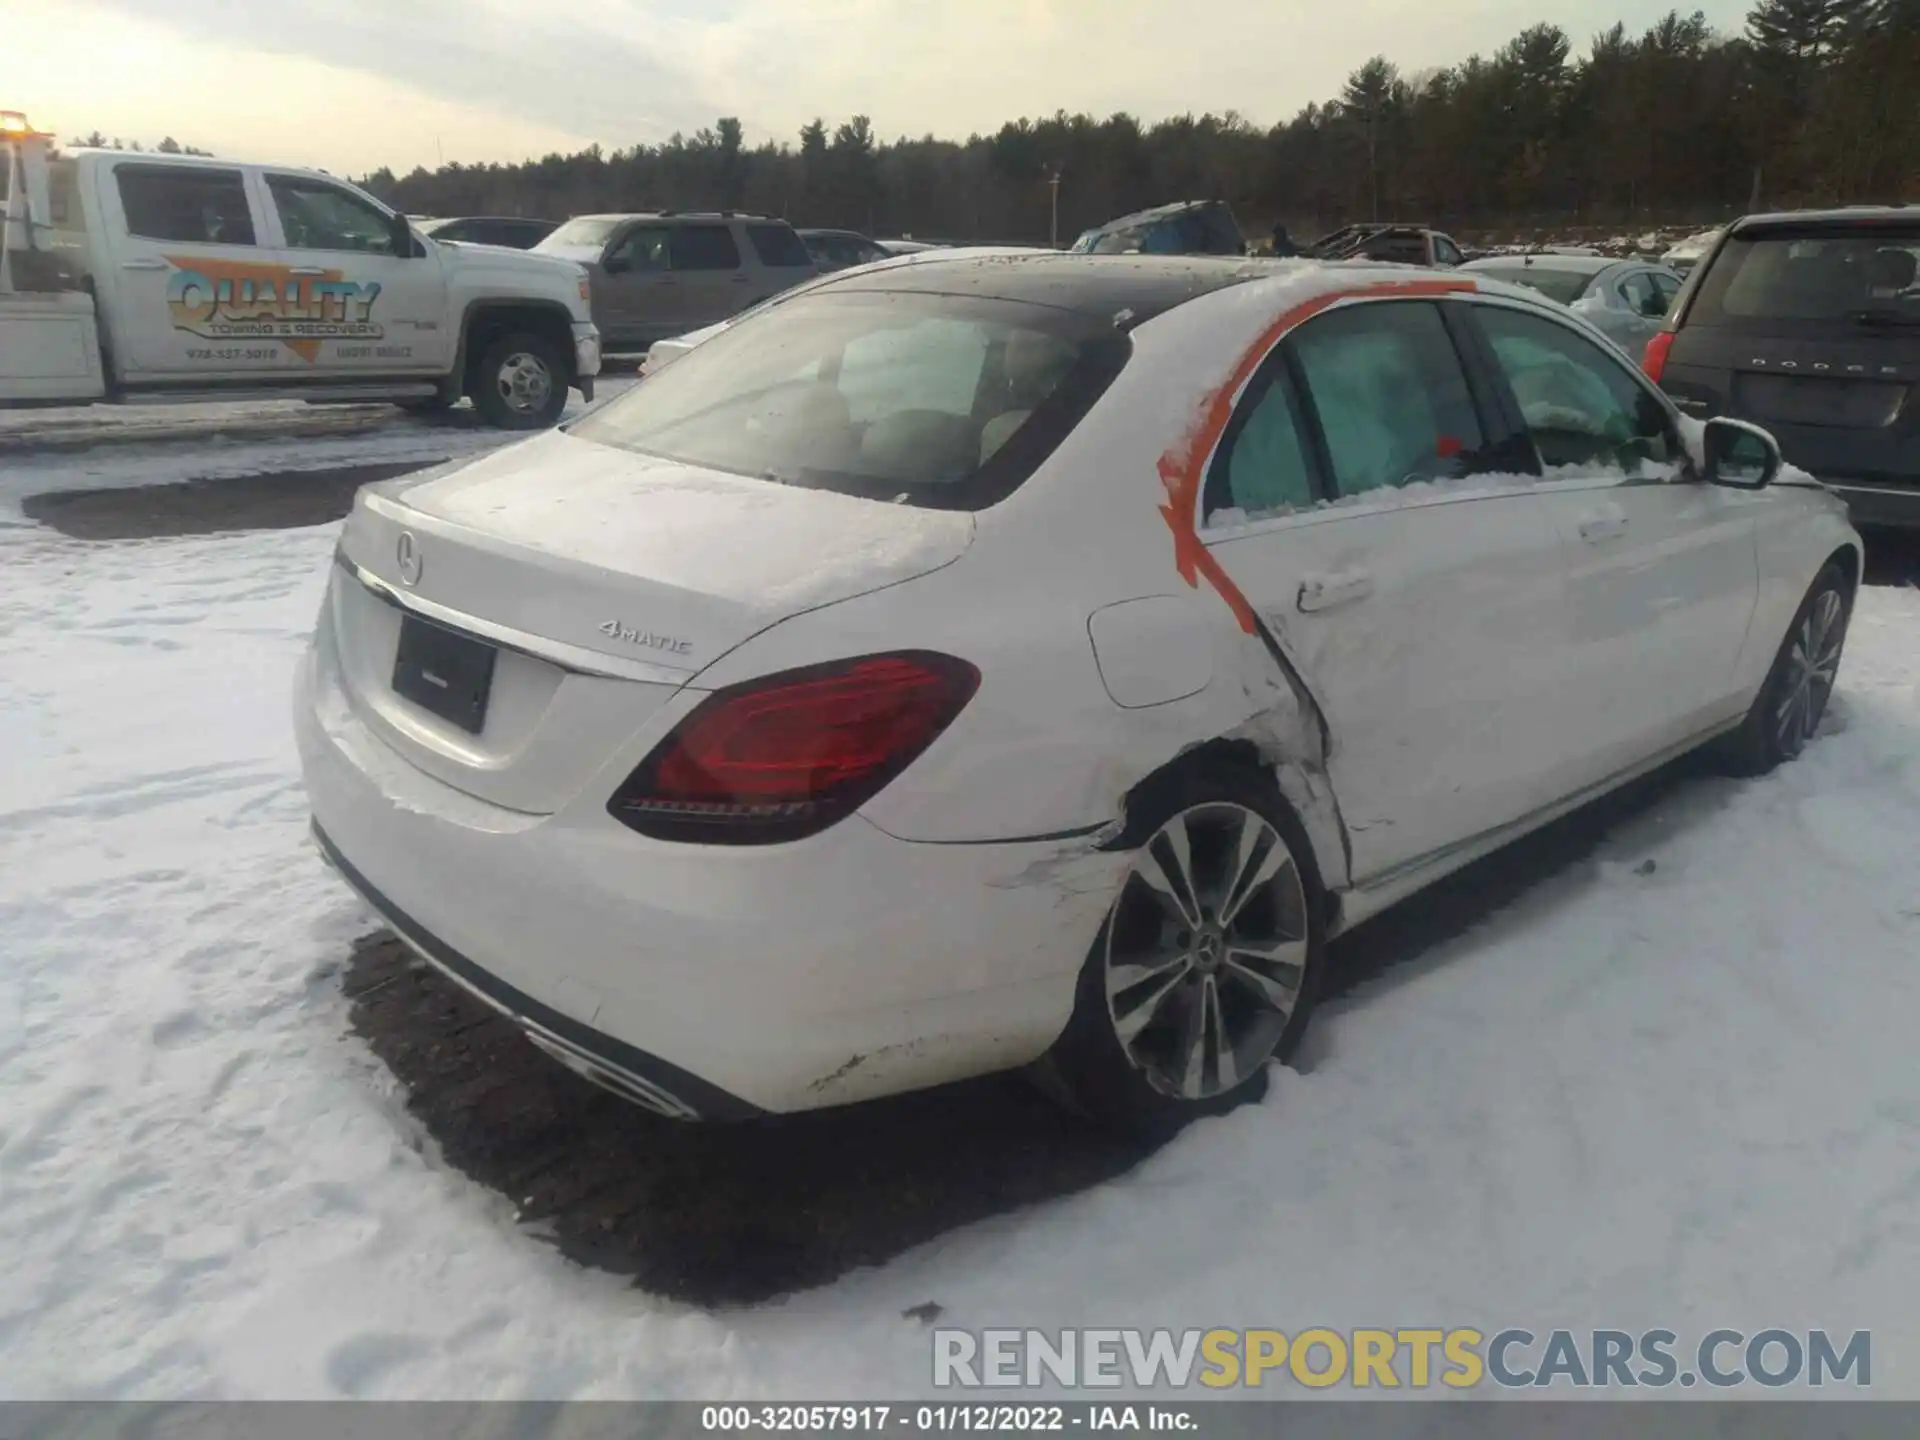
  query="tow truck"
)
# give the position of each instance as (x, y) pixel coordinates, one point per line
(129, 276)
(49, 350)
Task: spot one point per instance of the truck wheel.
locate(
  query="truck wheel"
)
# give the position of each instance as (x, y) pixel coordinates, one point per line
(521, 383)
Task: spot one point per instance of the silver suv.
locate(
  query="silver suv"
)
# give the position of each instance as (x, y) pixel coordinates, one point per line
(663, 274)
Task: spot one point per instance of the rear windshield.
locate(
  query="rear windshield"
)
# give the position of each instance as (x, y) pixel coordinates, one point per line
(947, 402)
(589, 230)
(1861, 275)
(1566, 286)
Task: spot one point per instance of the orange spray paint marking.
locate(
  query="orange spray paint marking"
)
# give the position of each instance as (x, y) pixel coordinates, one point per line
(1182, 467)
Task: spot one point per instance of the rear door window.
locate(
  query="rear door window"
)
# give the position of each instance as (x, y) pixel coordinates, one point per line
(1262, 469)
(1584, 409)
(778, 246)
(194, 205)
(1390, 395)
(703, 247)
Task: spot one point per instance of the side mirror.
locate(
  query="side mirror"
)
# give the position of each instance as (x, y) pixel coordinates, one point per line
(401, 234)
(1740, 455)
(615, 261)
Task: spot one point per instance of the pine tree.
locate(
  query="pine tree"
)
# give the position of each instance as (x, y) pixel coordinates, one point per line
(1801, 30)
(1369, 93)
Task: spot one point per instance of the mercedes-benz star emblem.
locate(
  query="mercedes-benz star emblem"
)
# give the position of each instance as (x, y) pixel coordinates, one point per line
(407, 552)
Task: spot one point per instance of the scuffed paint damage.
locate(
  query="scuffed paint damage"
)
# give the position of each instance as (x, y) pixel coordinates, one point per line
(826, 1082)
(1082, 868)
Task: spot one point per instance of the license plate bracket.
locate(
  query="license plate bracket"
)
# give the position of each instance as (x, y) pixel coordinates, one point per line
(444, 672)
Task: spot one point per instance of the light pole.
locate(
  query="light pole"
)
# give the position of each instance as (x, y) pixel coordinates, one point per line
(1053, 232)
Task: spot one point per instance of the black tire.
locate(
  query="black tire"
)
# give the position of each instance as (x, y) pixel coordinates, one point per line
(1125, 1086)
(501, 383)
(1770, 735)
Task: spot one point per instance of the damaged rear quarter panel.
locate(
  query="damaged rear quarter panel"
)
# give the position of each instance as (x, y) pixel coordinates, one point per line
(1043, 748)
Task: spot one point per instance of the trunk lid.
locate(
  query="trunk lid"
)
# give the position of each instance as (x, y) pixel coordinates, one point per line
(602, 581)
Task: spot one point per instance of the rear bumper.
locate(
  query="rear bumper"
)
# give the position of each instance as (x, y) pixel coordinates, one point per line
(710, 981)
(1895, 506)
(643, 1078)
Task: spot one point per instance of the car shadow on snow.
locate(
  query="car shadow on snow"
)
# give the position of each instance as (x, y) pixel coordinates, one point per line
(710, 1214)
(733, 1214)
(274, 500)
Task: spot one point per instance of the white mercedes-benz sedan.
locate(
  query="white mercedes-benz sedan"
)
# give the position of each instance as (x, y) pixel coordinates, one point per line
(1031, 661)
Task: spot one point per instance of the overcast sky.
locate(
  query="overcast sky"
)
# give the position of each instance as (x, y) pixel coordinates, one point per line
(350, 85)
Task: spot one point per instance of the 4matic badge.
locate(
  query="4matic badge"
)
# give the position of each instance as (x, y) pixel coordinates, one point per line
(672, 645)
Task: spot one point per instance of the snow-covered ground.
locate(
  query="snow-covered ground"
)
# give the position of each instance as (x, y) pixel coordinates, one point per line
(1679, 1095)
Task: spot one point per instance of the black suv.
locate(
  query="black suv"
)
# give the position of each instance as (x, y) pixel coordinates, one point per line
(1809, 324)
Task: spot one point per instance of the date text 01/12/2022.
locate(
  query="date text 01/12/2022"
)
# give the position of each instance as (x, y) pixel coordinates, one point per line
(989, 1419)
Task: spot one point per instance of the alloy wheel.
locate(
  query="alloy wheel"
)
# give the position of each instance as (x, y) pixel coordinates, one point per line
(1812, 663)
(1206, 950)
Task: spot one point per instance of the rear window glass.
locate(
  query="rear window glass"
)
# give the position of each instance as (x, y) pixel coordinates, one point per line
(1566, 286)
(201, 207)
(942, 401)
(1813, 276)
(589, 230)
(777, 245)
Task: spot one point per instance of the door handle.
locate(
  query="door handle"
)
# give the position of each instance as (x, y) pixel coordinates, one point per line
(306, 270)
(1609, 522)
(143, 264)
(1324, 592)
(739, 279)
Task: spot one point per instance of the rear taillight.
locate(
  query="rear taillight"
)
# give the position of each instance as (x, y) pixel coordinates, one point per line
(1654, 362)
(788, 755)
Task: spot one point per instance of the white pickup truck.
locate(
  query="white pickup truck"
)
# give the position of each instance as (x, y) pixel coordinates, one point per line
(208, 279)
